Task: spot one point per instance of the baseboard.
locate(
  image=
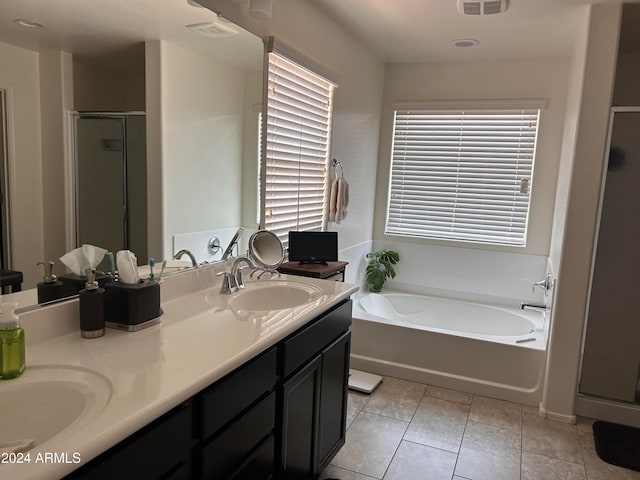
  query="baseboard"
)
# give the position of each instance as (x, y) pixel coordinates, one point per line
(602, 409)
(439, 379)
(557, 417)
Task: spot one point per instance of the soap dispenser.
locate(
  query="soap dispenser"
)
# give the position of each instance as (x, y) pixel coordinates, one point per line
(11, 342)
(50, 288)
(91, 300)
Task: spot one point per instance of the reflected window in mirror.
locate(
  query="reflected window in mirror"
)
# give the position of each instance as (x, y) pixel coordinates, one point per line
(258, 183)
(298, 137)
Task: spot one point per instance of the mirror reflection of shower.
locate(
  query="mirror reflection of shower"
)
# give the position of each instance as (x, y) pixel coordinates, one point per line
(5, 258)
(111, 181)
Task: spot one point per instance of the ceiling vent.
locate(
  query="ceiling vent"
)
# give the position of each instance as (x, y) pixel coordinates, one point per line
(481, 7)
(212, 29)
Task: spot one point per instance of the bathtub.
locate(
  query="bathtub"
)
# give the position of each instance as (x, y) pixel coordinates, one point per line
(492, 350)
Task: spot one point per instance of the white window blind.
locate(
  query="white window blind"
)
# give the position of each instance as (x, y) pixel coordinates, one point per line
(462, 174)
(299, 111)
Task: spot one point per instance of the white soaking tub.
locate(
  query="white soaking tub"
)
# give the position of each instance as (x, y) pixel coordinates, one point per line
(499, 351)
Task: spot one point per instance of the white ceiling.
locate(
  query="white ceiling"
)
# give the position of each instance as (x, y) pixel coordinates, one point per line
(395, 30)
(104, 28)
(422, 30)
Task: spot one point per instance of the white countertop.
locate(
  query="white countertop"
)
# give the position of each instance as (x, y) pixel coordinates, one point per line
(154, 370)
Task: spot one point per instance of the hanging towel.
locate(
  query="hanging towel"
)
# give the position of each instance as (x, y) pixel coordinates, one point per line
(338, 200)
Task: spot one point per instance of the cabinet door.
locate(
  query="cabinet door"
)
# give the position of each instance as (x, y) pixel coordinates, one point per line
(299, 434)
(333, 400)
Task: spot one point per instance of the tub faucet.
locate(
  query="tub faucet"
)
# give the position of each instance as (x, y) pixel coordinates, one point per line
(545, 284)
(182, 252)
(530, 306)
(228, 252)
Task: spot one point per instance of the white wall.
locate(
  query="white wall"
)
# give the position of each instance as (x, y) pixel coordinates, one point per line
(56, 99)
(357, 102)
(252, 109)
(487, 80)
(106, 90)
(201, 142)
(598, 56)
(153, 102)
(572, 112)
(21, 81)
(626, 91)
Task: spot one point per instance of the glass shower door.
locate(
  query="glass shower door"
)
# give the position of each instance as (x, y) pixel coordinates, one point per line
(100, 182)
(611, 357)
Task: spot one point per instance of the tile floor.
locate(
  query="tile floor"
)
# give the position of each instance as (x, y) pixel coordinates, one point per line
(407, 431)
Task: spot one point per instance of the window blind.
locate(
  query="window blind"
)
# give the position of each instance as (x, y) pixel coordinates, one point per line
(462, 174)
(298, 129)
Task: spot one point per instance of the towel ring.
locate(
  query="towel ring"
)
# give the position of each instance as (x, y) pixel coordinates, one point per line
(337, 164)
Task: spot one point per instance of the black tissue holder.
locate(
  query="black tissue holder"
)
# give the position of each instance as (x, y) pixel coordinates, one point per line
(132, 307)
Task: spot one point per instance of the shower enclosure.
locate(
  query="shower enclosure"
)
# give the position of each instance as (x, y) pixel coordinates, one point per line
(111, 181)
(611, 356)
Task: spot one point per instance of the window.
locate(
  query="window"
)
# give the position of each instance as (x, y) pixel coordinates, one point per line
(298, 126)
(462, 174)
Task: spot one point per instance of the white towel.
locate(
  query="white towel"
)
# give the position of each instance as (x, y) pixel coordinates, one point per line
(16, 446)
(338, 200)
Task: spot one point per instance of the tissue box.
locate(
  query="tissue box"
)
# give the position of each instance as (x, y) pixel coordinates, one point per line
(132, 306)
(72, 283)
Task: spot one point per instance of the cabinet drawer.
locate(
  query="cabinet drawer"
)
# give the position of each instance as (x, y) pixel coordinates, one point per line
(302, 346)
(260, 464)
(226, 452)
(231, 396)
(158, 450)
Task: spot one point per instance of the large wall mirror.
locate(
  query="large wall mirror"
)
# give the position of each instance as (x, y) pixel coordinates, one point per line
(186, 81)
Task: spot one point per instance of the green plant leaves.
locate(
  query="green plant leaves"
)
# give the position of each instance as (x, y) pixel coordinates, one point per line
(380, 267)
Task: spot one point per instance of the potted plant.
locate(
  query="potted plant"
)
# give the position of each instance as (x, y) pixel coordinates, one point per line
(380, 268)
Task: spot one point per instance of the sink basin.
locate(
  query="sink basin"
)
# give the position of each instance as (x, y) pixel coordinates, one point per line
(47, 400)
(270, 295)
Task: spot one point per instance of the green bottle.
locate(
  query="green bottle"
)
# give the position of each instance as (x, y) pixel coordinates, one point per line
(11, 343)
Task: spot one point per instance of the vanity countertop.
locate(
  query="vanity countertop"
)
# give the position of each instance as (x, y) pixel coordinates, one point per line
(151, 371)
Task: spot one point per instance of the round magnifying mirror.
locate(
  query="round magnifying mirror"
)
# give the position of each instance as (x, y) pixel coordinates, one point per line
(266, 250)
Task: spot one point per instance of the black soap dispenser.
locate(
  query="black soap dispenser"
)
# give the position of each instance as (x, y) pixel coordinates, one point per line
(91, 300)
(50, 288)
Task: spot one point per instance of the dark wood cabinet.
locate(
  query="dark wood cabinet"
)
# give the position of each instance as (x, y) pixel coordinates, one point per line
(279, 416)
(160, 450)
(234, 417)
(333, 400)
(314, 396)
(299, 407)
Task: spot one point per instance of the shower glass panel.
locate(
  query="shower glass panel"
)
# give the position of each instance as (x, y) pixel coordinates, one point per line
(111, 193)
(611, 357)
(101, 201)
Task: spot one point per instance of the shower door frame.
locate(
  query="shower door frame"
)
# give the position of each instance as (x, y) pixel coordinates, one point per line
(589, 404)
(5, 192)
(72, 239)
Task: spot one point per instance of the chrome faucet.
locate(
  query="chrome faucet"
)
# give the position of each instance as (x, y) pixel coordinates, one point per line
(232, 281)
(530, 306)
(546, 284)
(228, 252)
(236, 270)
(182, 252)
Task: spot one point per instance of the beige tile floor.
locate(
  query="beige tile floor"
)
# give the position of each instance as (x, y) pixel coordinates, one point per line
(410, 431)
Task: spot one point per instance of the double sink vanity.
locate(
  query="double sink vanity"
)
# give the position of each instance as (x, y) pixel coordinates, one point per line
(247, 385)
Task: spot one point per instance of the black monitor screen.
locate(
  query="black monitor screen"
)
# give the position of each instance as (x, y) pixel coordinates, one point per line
(313, 247)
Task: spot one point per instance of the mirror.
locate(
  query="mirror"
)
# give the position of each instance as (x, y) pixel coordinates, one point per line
(199, 88)
(266, 250)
